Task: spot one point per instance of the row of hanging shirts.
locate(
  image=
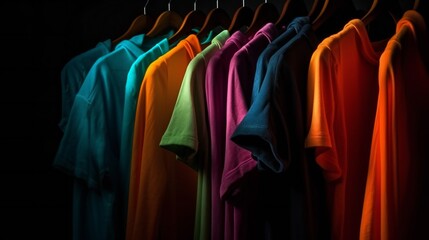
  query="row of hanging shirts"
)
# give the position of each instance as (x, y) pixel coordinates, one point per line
(286, 126)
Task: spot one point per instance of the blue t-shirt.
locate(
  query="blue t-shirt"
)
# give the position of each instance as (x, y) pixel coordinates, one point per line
(259, 122)
(90, 147)
(261, 66)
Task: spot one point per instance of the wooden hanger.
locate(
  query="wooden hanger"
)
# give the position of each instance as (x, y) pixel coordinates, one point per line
(266, 12)
(376, 7)
(141, 24)
(381, 19)
(334, 14)
(243, 17)
(422, 7)
(316, 8)
(416, 4)
(168, 20)
(216, 17)
(291, 9)
(194, 19)
(379, 7)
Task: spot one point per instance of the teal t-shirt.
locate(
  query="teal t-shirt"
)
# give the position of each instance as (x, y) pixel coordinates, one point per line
(74, 72)
(90, 147)
(132, 90)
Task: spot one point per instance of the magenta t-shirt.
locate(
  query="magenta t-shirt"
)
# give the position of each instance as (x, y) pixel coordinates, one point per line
(239, 161)
(239, 178)
(216, 87)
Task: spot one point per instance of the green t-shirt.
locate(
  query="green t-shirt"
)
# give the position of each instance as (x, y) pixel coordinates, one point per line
(187, 133)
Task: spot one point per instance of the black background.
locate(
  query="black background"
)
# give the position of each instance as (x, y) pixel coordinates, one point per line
(38, 38)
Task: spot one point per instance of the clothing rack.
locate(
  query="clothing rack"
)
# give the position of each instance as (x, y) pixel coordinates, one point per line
(289, 129)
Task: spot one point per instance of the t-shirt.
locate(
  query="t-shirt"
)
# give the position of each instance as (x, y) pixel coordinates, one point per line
(253, 132)
(89, 149)
(215, 90)
(342, 99)
(238, 161)
(162, 190)
(274, 131)
(74, 72)
(397, 190)
(187, 133)
(261, 66)
(239, 164)
(264, 130)
(132, 89)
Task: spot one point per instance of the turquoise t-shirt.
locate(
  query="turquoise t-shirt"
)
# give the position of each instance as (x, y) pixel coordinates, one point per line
(90, 147)
(132, 89)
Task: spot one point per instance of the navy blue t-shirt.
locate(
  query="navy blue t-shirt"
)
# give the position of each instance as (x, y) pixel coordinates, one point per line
(274, 131)
(261, 66)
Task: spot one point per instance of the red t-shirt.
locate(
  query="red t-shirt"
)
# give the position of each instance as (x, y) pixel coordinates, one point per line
(397, 190)
(342, 100)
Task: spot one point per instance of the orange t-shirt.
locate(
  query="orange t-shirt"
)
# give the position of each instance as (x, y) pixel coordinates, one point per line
(162, 190)
(396, 202)
(342, 100)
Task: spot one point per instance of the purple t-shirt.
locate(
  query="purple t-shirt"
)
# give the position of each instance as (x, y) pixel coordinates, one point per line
(216, 87)
(239, 179)
(239, 161)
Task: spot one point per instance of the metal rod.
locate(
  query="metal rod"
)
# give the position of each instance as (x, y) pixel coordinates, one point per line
(144, 8)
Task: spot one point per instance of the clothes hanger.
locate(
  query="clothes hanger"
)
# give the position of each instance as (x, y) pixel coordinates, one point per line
(266, 12)
(408, 5)
(216, 17)
(422, 7)
(381, 19)
(416, 4)
(331, 8)
(167, 20)
(243, 17)
(333, 16)
(141, 24)
(372, 12)
(290, 10)
(193, 20)
(315, 9)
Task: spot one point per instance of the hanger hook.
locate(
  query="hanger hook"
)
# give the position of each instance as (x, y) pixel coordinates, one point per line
(169, 3)
(244, 3)
(217, 3)
(195, 5)
(144, 8)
